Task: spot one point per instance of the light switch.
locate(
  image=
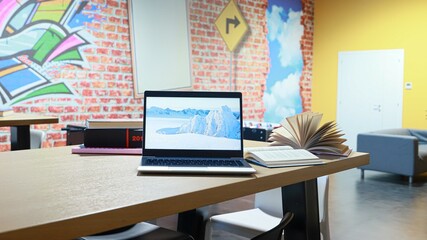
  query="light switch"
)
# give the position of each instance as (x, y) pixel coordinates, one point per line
(408, 85)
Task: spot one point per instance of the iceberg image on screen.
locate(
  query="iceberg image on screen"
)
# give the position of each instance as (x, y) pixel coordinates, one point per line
(190, 128)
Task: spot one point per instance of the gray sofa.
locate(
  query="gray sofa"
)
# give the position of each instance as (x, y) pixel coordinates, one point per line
(400, 151)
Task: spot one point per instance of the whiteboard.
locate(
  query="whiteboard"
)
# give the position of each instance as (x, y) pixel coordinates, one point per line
(160, 45)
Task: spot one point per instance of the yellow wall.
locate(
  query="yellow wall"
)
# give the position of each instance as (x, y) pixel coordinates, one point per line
(348, 25)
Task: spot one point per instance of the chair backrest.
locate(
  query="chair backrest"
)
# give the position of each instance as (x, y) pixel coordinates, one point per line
(36, 138)
(277, 231)
(323, 193)
(271, 201)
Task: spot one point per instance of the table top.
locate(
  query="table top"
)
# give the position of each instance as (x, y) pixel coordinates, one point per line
(55, 194)
(21, 119)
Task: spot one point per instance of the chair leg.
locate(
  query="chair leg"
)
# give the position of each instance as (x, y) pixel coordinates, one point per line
(324, 230)
(362, 173)
(208, 230)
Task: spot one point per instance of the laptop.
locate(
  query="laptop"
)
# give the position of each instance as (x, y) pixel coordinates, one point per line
(193, 132)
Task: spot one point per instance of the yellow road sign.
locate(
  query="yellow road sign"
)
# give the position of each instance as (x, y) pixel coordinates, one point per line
(231, 25)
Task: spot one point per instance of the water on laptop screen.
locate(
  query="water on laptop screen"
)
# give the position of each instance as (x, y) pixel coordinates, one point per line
(193, 123)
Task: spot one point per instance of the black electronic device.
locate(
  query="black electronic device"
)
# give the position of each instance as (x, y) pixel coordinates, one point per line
(256, 134)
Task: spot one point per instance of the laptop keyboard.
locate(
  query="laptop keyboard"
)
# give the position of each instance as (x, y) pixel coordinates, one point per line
(193, 162)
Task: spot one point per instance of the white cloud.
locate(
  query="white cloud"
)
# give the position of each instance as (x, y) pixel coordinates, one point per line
(288, 34)
(290, 51)
(284, 98)
(274, 22)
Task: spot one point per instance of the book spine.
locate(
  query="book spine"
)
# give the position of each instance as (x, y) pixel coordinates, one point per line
(113, 138)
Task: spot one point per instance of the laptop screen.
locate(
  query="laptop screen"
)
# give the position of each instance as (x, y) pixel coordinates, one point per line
(183, 122)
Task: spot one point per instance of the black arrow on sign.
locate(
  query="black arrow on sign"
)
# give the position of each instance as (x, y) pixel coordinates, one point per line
(229, 21)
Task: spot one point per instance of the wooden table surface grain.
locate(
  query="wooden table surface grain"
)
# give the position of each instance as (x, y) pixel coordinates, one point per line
(53, 194)
(21, 119)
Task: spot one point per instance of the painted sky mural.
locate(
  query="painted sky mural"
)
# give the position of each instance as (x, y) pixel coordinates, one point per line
(37, 37)
(282, 96)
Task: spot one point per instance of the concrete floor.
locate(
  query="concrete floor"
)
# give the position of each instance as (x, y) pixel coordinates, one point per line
(381, 206)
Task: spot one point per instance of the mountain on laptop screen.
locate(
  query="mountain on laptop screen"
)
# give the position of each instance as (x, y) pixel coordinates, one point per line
(191, 123)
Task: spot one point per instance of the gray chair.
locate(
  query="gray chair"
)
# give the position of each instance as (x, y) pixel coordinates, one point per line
(36, 138)
(276, 232)
(399, 151)
(266, 214)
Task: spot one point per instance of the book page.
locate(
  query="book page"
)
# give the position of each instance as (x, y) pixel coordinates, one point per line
(296, 154)
(290, 124)
(280, 156)
(280, 136)
(300, 127)
(313, 126)
(319, 134)
(272, 148)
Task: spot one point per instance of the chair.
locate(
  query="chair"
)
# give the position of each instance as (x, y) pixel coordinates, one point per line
(399, 151)
(140, 231)
(266, 214)
(36, 138)
(277, 231)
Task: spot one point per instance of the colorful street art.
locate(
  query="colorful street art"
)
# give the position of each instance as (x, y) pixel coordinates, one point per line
(282, 96)
(37, 37)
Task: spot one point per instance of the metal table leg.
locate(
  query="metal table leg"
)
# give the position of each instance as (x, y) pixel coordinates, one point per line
(302, 200)
(20, 137)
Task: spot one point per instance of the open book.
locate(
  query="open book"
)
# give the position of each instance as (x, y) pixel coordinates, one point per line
(280, 156)
(302, 131)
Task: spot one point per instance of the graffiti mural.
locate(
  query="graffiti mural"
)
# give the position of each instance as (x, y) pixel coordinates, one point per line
(37, 37)
(282, 96)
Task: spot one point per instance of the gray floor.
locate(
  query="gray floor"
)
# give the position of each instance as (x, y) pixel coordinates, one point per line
(381, 206)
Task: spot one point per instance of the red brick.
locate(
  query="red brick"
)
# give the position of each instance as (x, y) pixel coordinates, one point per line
(94, 76)
(120, 12)
(106, 60)
(98, 67)
(112, 3)
(112, 36)
(109, 27)
(117, 53)
(122, 29)
(94, 59)
(115, 20)
(113, 68)
(102, 51)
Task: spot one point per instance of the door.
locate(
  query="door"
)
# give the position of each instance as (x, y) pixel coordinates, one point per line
(370, 91)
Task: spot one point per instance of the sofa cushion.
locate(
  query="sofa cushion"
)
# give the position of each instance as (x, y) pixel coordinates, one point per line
(422, 151)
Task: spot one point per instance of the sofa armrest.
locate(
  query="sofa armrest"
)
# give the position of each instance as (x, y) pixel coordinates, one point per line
(389, 153)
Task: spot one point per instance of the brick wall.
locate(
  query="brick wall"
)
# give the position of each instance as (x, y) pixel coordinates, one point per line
(307, 20)
(105, 87)
(211, 58)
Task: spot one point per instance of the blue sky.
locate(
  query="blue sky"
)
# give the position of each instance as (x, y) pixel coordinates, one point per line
(282, 96)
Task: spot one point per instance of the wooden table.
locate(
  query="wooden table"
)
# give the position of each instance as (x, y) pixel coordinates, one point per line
(52, 194)
(20, 127)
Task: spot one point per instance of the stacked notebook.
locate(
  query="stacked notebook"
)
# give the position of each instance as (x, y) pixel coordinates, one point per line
(112, 136)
